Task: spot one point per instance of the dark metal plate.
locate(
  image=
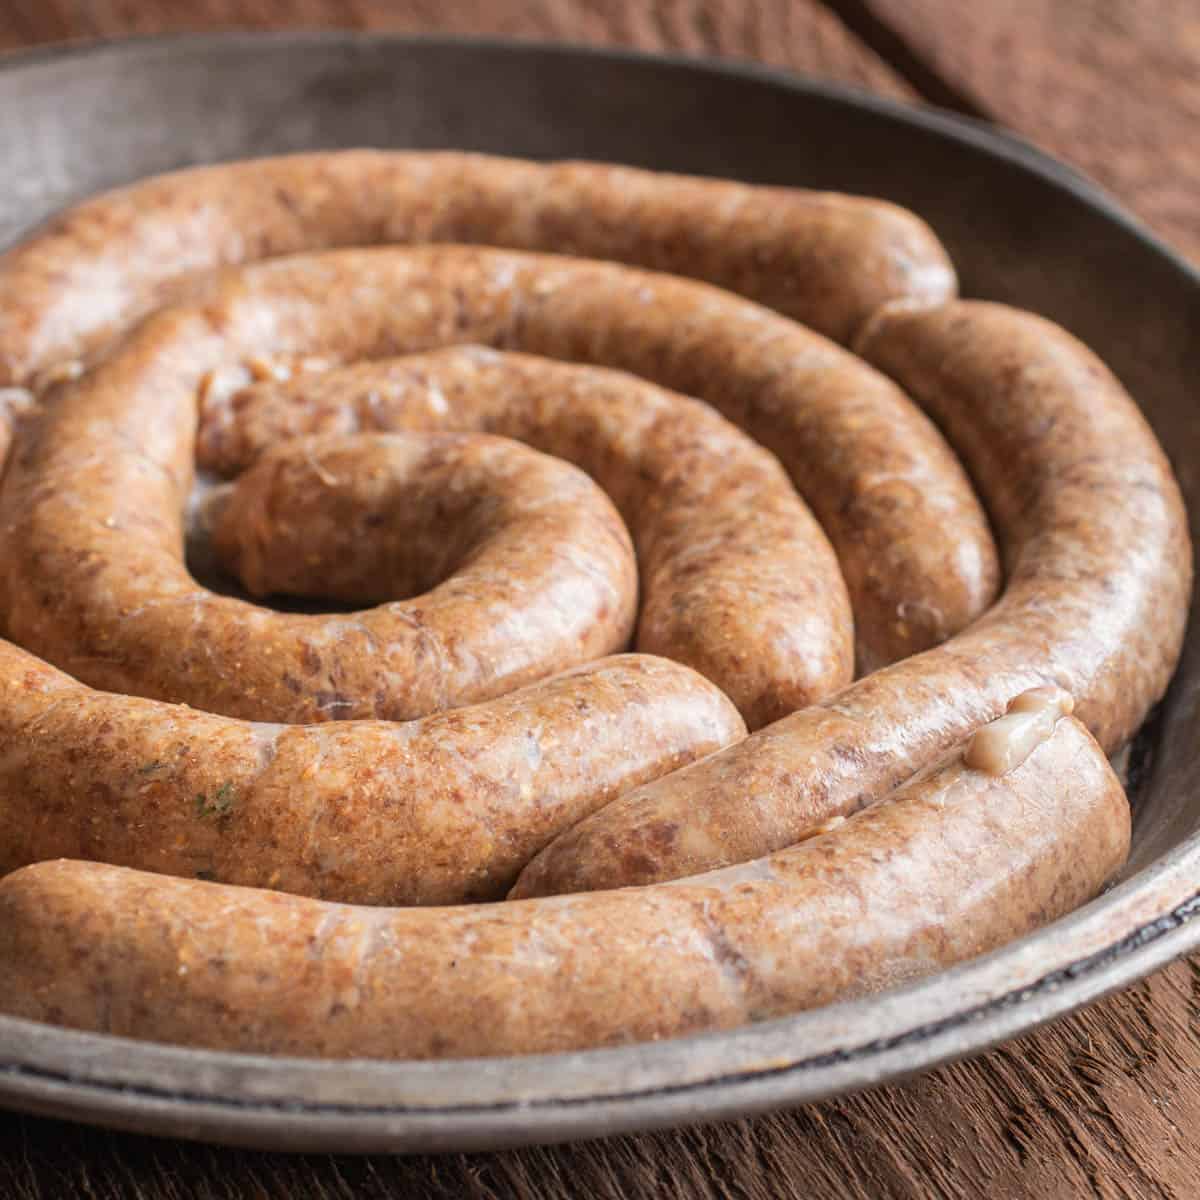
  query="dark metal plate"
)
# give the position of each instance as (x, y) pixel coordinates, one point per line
(1021, 228)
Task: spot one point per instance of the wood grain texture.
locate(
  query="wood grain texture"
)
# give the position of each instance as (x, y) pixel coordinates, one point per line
(799, 34)
(1103, 1104)
(1112, 86)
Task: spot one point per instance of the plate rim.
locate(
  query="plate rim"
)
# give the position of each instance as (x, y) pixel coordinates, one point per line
(29, 1080)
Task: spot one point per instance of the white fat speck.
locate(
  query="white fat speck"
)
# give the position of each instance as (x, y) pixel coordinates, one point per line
(437, 398)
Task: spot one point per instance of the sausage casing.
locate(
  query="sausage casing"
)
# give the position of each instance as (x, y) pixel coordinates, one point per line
(94, 594)
(1099, 576)
(889, 895)
(826, 260)
(441, 810)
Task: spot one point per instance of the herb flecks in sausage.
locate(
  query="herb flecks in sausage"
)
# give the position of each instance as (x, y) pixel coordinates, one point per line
(219, 804)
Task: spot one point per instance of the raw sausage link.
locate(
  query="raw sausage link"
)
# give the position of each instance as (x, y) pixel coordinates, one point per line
(731, 560)
(851, 835)
(826, 260)
(437, 811)
(517, 530)
(955, 863)
(523, 542)
(90, 508)
(1096, 602)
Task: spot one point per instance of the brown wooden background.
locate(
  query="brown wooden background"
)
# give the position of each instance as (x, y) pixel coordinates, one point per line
(1104, 1104)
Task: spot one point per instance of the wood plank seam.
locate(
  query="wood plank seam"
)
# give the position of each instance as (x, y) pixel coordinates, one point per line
(888, 44)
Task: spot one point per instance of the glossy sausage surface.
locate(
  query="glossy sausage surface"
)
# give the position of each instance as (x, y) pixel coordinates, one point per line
(887, 896)
(357, 400)
(826, 260)
(93, 502)
(437, 811)
(729, 557)
(1099, 577)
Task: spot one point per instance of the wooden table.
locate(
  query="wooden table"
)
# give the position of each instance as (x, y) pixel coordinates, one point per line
(1103, 1104)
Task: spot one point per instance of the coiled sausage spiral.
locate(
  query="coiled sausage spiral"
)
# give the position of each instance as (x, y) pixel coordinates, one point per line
(313, 376)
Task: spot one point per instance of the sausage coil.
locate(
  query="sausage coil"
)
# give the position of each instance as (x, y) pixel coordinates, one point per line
(336, 490)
